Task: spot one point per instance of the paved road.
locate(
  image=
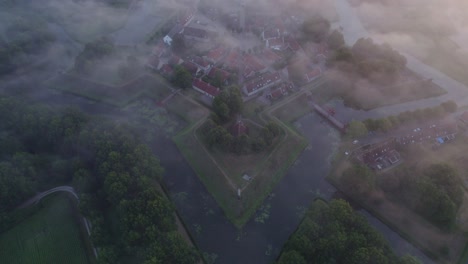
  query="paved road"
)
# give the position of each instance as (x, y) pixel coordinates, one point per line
(353, 30)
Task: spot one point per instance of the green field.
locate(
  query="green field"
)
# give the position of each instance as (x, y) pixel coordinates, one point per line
(51, 235)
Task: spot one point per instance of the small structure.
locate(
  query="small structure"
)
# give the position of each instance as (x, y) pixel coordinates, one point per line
(324, 113)
(239, 128)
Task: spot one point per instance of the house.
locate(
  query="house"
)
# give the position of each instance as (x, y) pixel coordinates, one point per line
(239, 128)
(191, 67)
(195, 33)
(167, 70)
(175, 60)
(203, 64)
(276, 93)
(216, 55)
(270, 34)
(232, 60)
(252, 62)
(275, 43)
(153, 62)
(313, 74)
(261, 82)
(293, 45)
(174, 31)
(205, 88)
(219, 73)
(270, 57)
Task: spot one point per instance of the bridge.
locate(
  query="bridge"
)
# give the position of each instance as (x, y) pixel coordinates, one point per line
(335, 122)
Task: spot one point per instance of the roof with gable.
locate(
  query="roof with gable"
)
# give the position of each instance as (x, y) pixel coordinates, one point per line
(262, 82)
(153, 61)
(270, 56)
(313, 74)
(190, 67)
(201, 62)
(252, 62)
(232, 60)
(205, 87)
(167, 69)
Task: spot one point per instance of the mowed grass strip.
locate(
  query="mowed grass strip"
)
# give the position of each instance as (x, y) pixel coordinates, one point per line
(51, 235)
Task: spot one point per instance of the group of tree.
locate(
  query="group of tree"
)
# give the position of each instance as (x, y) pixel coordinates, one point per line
(435, 192)
(366, 59)
(22, 39)
(334, 233)
(218, 137)
(182, 77)
(116, 178)
(92, 53)
(227, 105)
(387, 123)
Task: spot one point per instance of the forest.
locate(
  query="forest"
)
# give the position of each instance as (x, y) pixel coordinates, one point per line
(116, 178)
(334, 233)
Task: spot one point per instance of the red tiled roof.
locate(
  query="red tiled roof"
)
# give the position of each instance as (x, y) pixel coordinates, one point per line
(216, 54)
(239, 129)
(200, 62)
(270, 56)
(313, 73)
(262, 81)
(277, 93)
(174, 60)
(231, 60)
(251, 62)
(167, 69)
(206, 87)
(293, 45)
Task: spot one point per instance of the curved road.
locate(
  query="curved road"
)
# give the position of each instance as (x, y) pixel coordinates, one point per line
(354, 30)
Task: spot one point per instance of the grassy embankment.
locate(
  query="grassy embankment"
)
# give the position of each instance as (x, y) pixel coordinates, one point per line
(222, 173)
(51, 234)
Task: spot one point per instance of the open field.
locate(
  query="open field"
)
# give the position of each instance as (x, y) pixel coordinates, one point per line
(293, 110)
(52, 235)
(185, 108)
(445, 246)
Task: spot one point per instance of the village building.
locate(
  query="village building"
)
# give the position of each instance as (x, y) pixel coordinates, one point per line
(270, 57)
(313, 74)
(275, 43)
(261, 83)
(270, 34)
(159, 50)
(216, 54)
(232, 60)
(177, 29)
(167, 70)
(205, 88)
(202, 64)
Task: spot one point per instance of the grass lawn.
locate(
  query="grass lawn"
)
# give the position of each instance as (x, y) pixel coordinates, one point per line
(187, 109)
(52, 235)
(293, 110)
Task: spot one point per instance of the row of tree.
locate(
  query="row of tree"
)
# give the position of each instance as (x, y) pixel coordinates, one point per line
(357, 128)
(115, 176)
(334, 233)
(217, 136)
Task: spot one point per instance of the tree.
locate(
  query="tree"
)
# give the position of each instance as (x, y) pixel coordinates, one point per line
(358, 179)
(182, 78)
(292, 257)
(449, 106)
(356, 129)
(336, 40)
(316, 28)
